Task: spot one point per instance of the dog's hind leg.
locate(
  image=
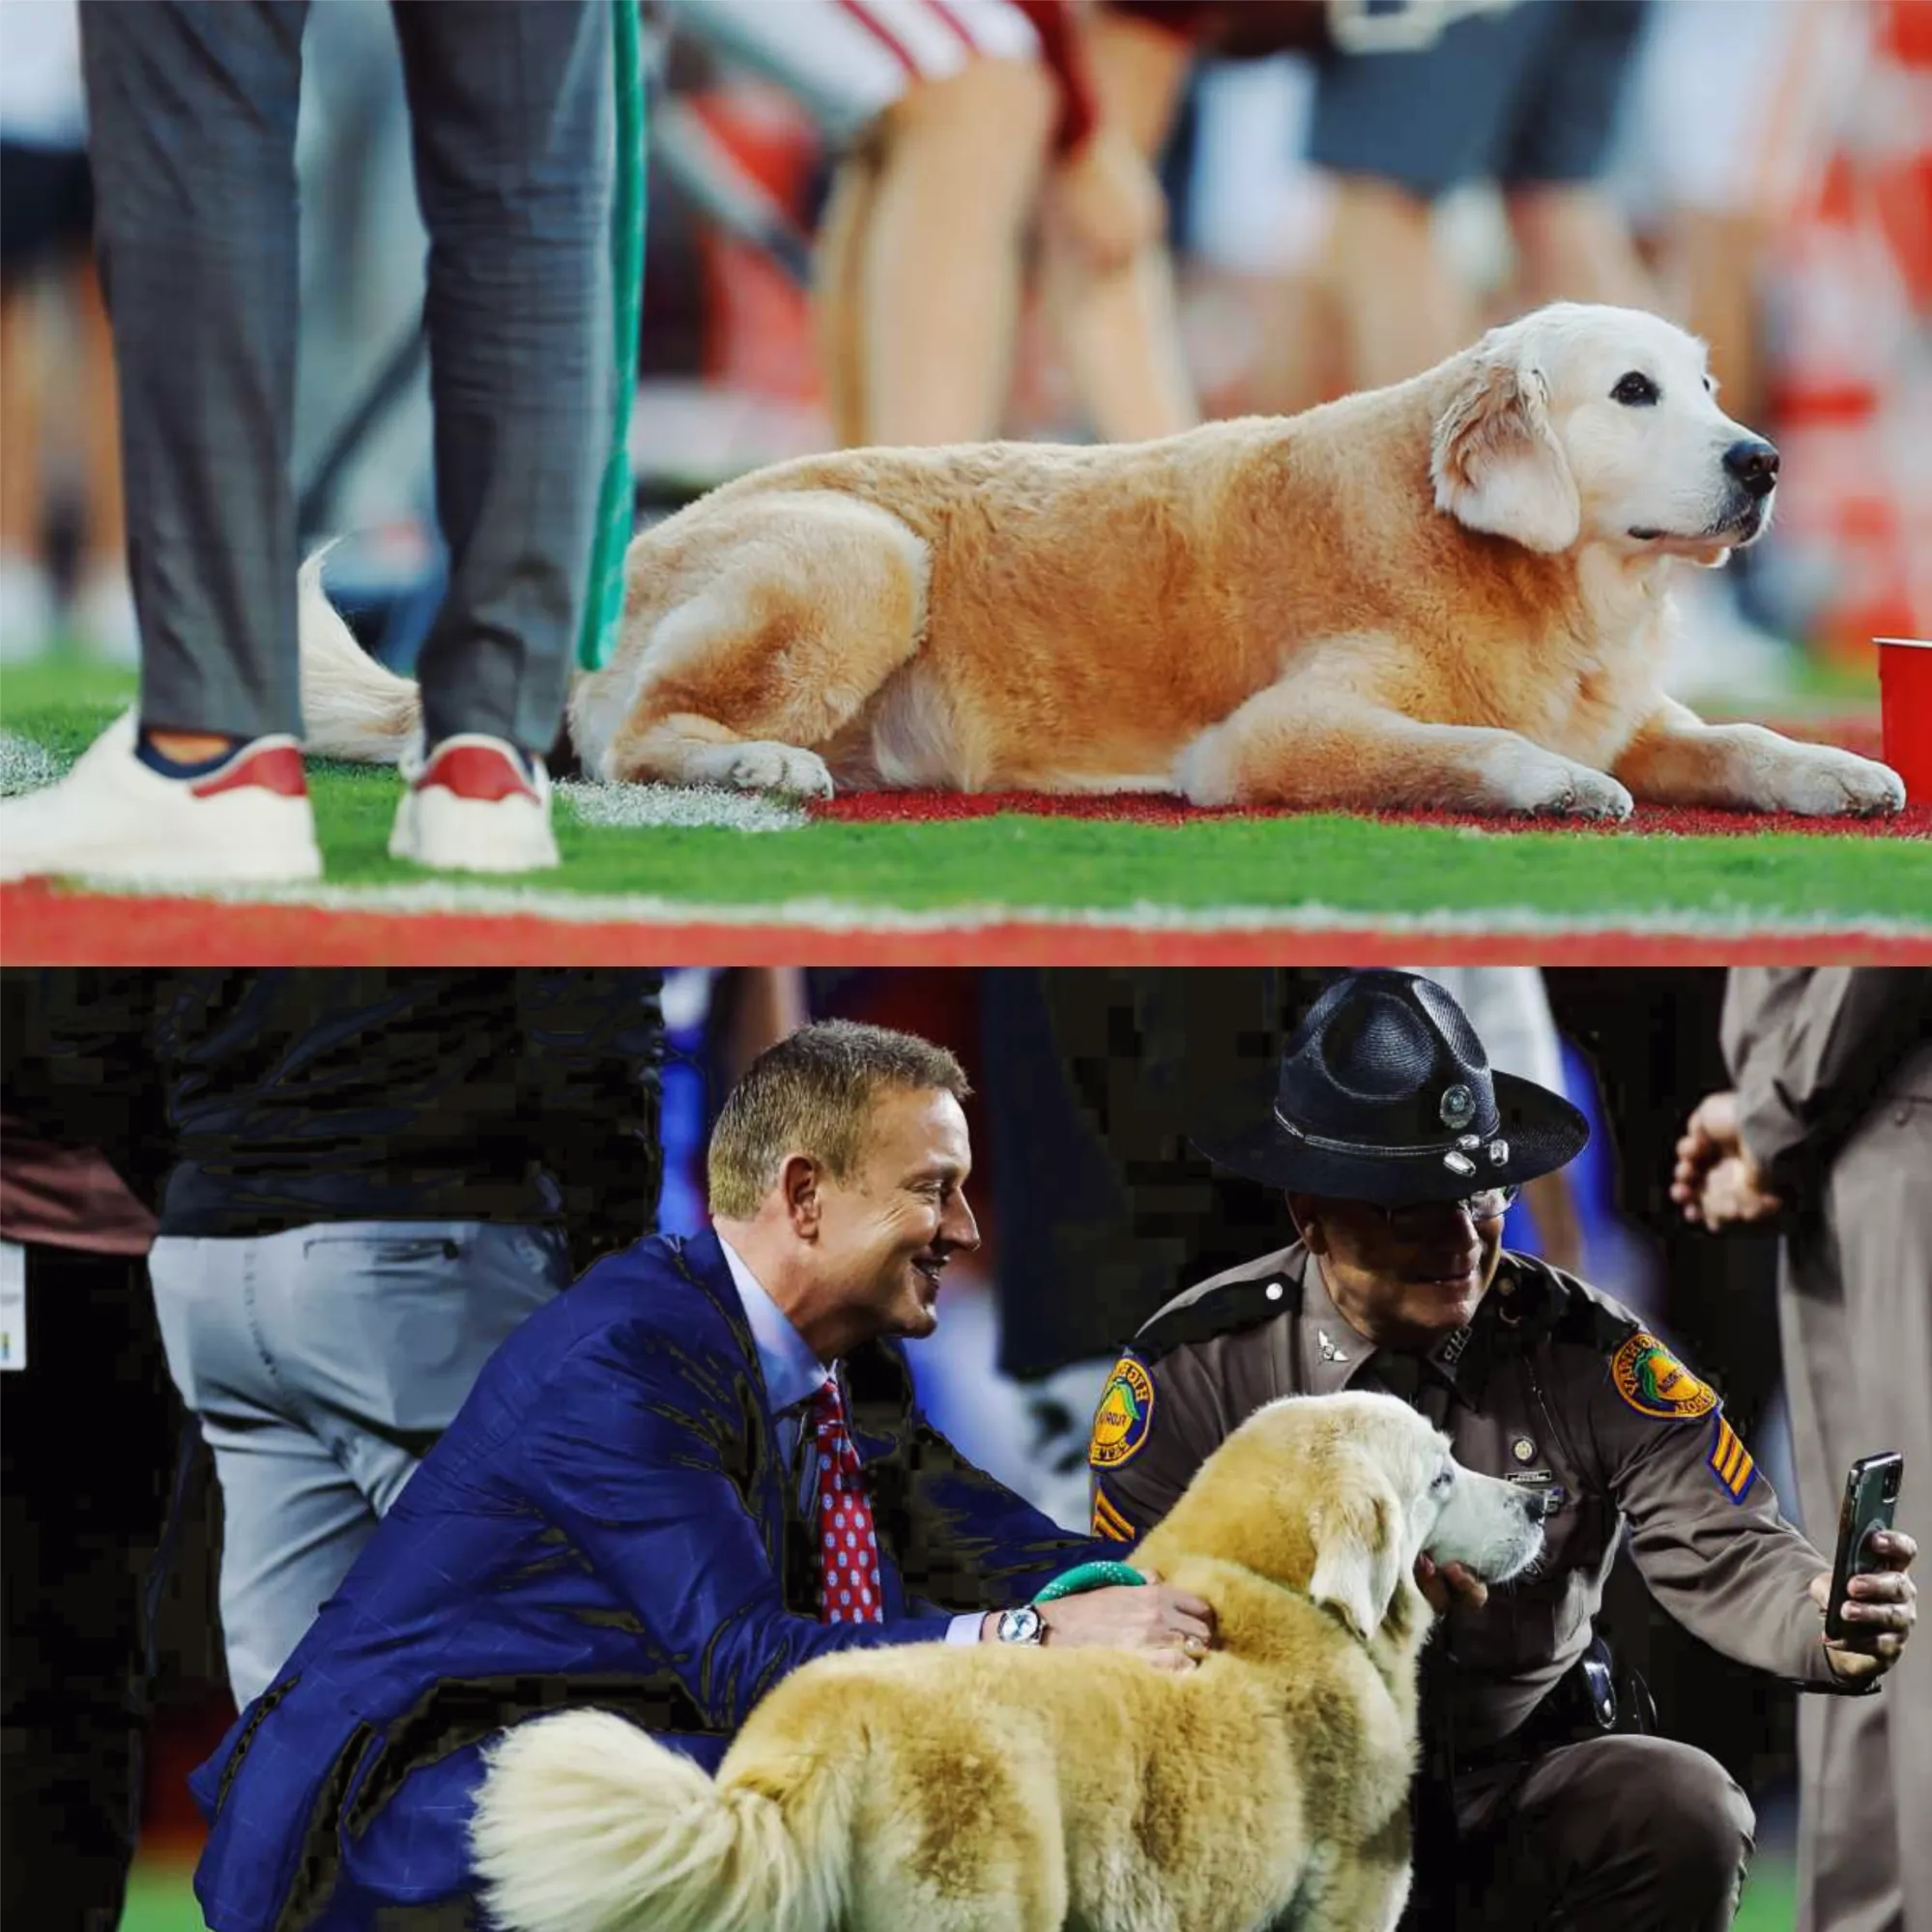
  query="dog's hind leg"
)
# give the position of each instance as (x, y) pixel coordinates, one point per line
(773, 631)
(1363, 1889)
(957, 1836)
(1302, 742)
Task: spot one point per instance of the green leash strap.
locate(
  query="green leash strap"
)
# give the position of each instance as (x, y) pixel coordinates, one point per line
(603, 601)
(1089, 1577)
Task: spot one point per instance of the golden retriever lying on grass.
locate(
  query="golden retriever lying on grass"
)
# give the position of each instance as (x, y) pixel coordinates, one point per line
(940, 1788)
(1453, 593)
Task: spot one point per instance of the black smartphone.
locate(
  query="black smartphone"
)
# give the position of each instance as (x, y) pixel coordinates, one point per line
(1871, 1502)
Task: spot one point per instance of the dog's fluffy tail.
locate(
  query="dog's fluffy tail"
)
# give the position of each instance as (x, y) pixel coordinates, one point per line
(587, 1824)
(352, 707)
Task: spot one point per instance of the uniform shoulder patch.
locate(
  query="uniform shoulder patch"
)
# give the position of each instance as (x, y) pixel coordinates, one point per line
(1731, 1461)
(1654, 1382)
(1120, 1422)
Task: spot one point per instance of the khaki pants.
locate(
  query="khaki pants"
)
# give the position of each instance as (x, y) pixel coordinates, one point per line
(1857, 1319)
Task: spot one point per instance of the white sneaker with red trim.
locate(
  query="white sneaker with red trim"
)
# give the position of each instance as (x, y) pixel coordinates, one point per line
(114, 818)
(474, 805)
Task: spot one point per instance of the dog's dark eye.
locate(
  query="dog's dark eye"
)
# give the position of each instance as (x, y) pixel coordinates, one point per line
(1443, 1481)
(1635, 390)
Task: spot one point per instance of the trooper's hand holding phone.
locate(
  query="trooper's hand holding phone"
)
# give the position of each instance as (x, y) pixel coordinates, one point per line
(1882, 1607)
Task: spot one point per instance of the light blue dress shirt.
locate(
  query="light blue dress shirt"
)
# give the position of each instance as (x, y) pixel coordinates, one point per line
(793, 1376)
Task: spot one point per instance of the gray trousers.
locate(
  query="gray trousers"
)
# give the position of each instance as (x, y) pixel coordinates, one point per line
(1857, 1310)
(192, 108)
(322, 1363)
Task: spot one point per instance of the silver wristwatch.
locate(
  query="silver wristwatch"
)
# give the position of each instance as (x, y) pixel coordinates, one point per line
(1024, 1625)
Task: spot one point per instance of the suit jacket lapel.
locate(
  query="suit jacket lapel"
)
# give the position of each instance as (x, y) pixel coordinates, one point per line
(765, 1480)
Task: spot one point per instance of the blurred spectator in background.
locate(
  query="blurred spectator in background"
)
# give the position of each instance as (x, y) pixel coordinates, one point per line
(1829, 1130)
(1417, 100)
(88, 1436)
(953, 123)
(192, 113)
(375, 1175)
(1726, 119)
(46, 258)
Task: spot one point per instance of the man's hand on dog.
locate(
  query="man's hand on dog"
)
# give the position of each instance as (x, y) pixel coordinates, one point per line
(1174, 1629)
(1453, 1585)
(1882, 1607)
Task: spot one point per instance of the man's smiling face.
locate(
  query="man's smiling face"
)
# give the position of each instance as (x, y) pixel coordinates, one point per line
(888, 1232)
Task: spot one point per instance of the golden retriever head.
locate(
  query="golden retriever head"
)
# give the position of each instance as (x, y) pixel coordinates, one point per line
(1598, 425)
(1337, 1495)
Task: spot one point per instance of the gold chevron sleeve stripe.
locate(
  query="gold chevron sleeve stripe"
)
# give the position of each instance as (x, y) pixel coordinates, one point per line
(1107, 1521)
(1732, 1462)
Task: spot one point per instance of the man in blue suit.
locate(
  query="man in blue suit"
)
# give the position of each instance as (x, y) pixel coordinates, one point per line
(699, 1469)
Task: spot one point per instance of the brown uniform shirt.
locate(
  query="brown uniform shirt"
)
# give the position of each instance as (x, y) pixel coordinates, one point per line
(1553, 1385)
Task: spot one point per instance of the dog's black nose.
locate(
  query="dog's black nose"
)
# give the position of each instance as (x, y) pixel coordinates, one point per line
(1537, 1504)
(1754, 464)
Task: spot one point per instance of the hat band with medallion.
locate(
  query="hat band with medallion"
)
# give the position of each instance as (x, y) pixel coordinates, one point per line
(1385, 1094)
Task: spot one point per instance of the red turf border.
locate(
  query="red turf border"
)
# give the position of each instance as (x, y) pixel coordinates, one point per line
(1157, 808)
(42, 926)
(1154, 808)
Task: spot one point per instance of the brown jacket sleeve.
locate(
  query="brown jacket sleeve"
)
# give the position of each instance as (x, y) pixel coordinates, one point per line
(1144, 1446)
(1705, 1527)
(1810, 1047)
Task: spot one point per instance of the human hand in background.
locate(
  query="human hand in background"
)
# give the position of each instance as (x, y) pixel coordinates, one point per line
(1716, 1181)
(1105, 201)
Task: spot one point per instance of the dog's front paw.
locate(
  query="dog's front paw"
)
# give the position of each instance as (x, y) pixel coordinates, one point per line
(1833, 784)
(1538, 783)
(780, 767)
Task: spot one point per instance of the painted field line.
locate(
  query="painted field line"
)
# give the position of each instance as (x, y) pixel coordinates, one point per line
(42, 926)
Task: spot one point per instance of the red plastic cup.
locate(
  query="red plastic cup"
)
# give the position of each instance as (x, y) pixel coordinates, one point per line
(1905, 697)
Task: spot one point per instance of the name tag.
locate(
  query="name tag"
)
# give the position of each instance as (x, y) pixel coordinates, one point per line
(1554, 1494)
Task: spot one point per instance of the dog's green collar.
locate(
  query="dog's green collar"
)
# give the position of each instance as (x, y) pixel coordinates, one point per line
(1089, 1577)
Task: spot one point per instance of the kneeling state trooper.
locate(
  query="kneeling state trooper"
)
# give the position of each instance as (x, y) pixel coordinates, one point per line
(1400, 1152)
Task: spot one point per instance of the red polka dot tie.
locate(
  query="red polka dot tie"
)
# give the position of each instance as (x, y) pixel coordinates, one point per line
(849, 1589)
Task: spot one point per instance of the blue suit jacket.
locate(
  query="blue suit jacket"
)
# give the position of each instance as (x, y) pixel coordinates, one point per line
(606, 1522)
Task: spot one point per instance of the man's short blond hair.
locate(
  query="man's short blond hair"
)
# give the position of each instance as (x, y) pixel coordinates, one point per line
(813, 1093)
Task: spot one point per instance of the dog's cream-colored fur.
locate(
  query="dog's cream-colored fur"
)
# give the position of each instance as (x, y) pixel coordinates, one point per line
(990, 1789)
(1451, 593)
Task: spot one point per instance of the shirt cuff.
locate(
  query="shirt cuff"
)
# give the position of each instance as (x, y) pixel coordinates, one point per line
(964, 1630)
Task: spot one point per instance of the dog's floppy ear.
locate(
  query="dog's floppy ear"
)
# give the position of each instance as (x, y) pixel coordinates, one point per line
(1358, 1554)
(1496, 462)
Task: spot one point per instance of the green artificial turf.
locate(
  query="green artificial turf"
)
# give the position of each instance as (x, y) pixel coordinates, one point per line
(159, 1899)
(1040, 864)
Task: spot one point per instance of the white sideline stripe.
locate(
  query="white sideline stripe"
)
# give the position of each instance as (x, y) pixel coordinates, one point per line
(837, 915)
(648, 807)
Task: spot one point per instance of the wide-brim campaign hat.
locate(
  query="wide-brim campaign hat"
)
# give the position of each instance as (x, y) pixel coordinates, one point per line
(1385, 1094)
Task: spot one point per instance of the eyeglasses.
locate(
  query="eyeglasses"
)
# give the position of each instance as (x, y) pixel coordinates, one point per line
(1418, 1217)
